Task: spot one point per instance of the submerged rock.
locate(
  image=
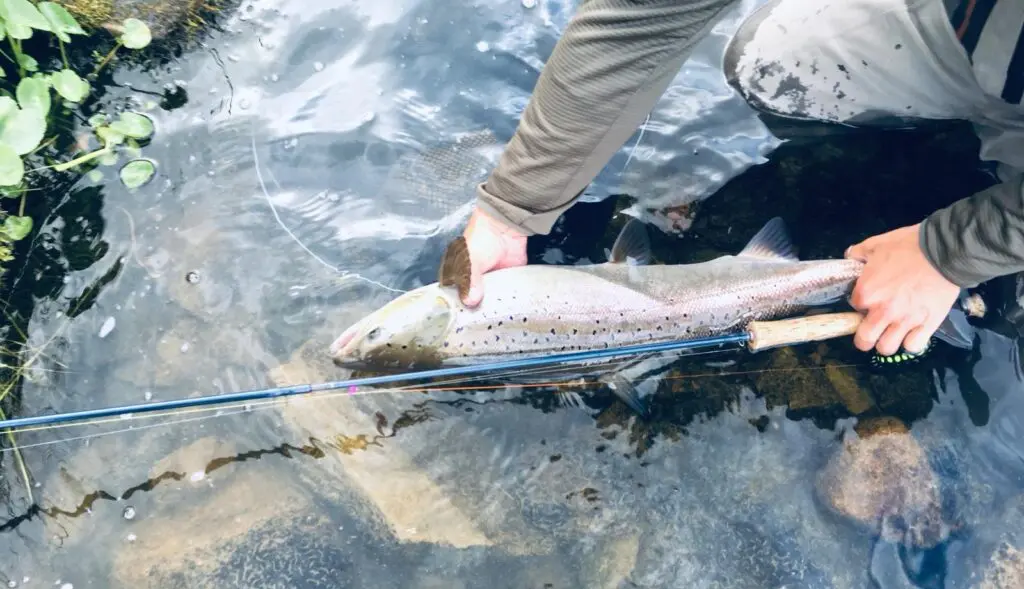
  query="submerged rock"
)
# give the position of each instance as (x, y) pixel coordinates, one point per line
(1006, 569)
(881, 479)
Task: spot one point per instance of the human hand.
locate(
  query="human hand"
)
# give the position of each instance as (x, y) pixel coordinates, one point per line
(905, 298)
(492, 245)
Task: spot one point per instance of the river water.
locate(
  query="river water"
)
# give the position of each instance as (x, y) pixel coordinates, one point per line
(325, 153)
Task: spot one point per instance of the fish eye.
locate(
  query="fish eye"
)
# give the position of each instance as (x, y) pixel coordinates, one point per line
(373, 334)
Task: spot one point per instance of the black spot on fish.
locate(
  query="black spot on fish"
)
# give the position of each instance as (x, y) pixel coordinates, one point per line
(575, 331)
(595, 332)
(659, 328)
(898, 46)
(497, 337)
(552, 331)
(459, 330)
(555, 457)
(446, 344)
(500, 323)
(524, 319)
(489, 327)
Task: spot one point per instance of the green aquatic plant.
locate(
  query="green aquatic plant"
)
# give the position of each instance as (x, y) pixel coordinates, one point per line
(27, 106)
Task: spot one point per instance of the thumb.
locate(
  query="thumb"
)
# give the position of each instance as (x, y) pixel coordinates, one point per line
(476, 289)
(857, 251)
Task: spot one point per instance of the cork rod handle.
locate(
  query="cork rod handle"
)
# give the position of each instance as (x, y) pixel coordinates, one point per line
(771, 334)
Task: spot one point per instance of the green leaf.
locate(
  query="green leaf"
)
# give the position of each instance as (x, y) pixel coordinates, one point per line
(7, 108)
(109, 136)
(95, 176)
(34, 94)
(13, 191)
(61, 22)
(17, 31)
(137, 172)
(3, 30)
(3, 74)
(23, 130)
(133, 125)
(23, 13)
(97, 120)
(17, 228)
(136, 34)
(12, 169)
(28, 62)
(70, 86)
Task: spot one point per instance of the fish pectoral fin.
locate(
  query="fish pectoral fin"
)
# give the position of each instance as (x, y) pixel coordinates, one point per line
(772, 242)
(956, 331)
(625, 390)
(456, 268)
(632, 246)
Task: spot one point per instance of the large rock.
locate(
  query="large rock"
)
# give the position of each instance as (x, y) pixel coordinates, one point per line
(881, 479)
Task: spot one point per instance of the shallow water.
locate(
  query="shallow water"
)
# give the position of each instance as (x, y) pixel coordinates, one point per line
(326, 151)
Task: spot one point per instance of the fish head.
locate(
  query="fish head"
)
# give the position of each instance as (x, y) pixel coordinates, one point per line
(407, 332)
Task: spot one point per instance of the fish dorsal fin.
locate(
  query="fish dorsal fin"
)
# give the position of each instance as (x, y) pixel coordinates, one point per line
(772, 242)
(632, 246)
(456, 268)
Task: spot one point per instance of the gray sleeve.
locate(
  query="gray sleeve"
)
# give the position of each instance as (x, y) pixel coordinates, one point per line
(611, 65)
(980, 237)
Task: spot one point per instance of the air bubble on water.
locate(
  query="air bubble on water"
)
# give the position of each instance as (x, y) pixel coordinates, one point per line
(233, 57)
(67, 586)
(107, 327)
(482, 46)
(274, 78)
(529, 3)
(243, 104)
(130, 538)
(129, 513)
(148, 396)
(197, 476)
(12, 583)
(318, 66)
(184, 347)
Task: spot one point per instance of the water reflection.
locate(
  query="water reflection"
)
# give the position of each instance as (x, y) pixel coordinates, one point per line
(316, 155)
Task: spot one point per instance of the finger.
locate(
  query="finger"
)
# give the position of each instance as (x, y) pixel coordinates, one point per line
(475, 295)
(860, 298)
(870, 329)
(889, 343)
(917, 340)
(859, 251)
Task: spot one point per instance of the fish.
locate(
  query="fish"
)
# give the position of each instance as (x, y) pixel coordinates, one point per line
(544, 309)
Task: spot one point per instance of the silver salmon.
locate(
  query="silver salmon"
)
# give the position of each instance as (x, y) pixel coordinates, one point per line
(544, 309)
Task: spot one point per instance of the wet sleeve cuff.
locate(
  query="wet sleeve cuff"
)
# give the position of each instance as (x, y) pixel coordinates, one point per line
(977, 238)
(522, 220)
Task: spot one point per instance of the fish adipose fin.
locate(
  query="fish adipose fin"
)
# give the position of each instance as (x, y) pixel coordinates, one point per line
(772, 242)
(632, 246)
(456, 268)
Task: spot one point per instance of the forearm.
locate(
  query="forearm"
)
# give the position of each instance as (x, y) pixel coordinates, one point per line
(607, 71)
(980, 237)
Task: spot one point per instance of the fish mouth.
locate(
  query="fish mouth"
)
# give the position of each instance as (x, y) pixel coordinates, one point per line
(341, 348)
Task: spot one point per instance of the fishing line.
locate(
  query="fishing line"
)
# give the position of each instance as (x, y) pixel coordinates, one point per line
(277, 217)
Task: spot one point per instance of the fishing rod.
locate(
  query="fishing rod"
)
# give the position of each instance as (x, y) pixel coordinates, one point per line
(758, 335)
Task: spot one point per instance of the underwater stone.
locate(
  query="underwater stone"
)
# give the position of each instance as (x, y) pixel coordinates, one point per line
(881, 479)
